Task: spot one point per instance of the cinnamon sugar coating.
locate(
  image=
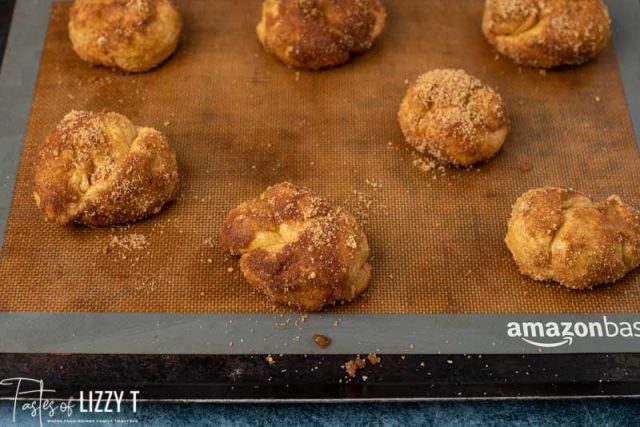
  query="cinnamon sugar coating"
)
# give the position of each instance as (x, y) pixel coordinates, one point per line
(564, 236)
(296, 249)
(547, 33)
(453, 117)
(99, 169)
(317, 34)
(132, 35)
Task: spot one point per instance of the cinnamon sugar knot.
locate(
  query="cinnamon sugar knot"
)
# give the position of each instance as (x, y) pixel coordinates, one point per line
(99, 169)
(562, 235)
(547, 33)
(317, 34)
(297, 249)
(132, 35)
(453, 117)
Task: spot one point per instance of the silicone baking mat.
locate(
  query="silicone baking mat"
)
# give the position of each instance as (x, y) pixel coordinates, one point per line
(240, 121)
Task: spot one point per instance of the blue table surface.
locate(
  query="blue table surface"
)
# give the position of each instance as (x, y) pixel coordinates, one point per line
(566, 413)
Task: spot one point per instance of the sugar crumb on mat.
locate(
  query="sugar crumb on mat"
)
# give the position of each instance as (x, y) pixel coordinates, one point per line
(525, 167)
(146, 285)
(373, 184)
(129, 242)
(361, 203)
(321, 341)
(210, 242)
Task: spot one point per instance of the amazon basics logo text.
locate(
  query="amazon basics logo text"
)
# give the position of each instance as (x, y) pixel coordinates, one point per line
(556, 334)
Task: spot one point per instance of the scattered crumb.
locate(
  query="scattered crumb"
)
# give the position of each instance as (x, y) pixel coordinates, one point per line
(360, 204)
(129, 242)
(270, 360)
(352, 366)
(424, 165)
(542, 72)
(428, 164)
(373, 184)
(145, 285)
(322, 341)
(373, 359)
(525, 167)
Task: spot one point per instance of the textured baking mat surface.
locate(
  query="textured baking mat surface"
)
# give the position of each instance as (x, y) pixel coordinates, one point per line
(240, 121)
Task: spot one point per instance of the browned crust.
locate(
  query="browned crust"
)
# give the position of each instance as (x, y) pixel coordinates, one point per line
(562, 235)
(296, 249)
(99, 169)
(547, 33)
(132, 35)
(453, 117)
(317, 34)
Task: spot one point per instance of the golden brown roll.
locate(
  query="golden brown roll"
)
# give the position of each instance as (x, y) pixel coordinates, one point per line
(562, 235)
(547, 33)
(297, 249)
(132, 35)
(317, 34)
(453, 117)
(99, 169)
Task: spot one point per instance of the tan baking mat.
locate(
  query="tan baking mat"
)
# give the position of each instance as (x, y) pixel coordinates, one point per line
(240, 120)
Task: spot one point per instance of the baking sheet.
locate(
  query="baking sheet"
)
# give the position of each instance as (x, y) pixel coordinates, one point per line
(240, 120)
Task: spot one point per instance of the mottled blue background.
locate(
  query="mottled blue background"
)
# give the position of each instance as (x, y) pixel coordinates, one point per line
(615, 413)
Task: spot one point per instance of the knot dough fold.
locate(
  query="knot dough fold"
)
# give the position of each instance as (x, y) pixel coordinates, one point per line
(547, 33)
(296, 249)
(316, 34)
(453, 117)
(99, 169)
(132, 35)
(562, 235)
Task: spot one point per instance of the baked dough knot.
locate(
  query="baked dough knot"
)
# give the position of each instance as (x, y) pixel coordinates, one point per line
(296, 249)
(562, 235)
(547, 33)
(132, 35)
(453, 117)
(317, 34)
(99, 169)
